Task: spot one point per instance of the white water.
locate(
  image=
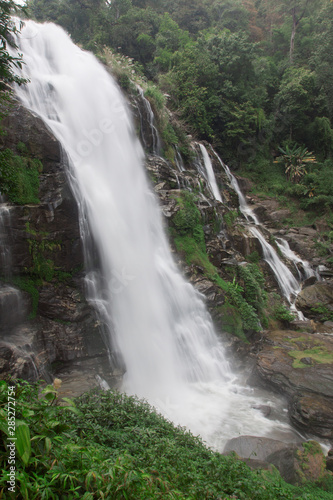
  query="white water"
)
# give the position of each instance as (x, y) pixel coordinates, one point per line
(288, 284)
(151, 121)
(243, 206)
(306, 270)
(5, 254)
(161, 326)
(210, 176)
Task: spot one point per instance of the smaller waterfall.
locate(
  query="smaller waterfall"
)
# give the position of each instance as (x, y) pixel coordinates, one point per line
(288, 284)
(286, 280)
(151, 121)
(243, 206)
(5, 224)
(12, 311)
(208, 173)
(179, 160)
(306, 270)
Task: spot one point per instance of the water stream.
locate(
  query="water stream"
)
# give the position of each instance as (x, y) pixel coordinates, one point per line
(288, 284)
(158, 321)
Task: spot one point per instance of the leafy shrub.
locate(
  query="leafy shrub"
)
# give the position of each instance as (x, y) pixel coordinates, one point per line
(109, 445)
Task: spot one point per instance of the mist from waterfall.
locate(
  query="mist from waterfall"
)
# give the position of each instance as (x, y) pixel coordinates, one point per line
(158, 321)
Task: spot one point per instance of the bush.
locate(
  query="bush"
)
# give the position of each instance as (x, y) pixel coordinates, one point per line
(109, 445)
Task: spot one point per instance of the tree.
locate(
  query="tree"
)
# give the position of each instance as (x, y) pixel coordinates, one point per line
(295, 159)
(8, 28)
(297, 10)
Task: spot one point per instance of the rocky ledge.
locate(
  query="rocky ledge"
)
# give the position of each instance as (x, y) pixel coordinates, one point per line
(299, 365)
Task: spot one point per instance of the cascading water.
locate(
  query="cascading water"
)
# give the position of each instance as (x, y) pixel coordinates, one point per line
(243, 206)
(161, 327)
(288, 284)
(5, 254)
(209, 174)
(306, 270)
(151, 120)
(179, 160)
(11, 308)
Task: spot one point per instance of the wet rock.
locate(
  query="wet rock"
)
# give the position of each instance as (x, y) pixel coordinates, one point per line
(307, 361)
(308, 386)
(309, 281)
(296, 463)
(317, 296)
(265, 410)
(312, 412)
(329, 460)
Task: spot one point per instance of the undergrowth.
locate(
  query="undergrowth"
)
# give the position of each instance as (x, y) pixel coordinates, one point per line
(19, 177)
(113, 446)
(188, 236)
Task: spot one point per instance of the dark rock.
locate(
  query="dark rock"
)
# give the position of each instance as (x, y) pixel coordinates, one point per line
(329, 460)
(314, 413)
(296, 463)
(307, 361)
(309, 281)
(314, 296)
(265, 410)
(309, 386)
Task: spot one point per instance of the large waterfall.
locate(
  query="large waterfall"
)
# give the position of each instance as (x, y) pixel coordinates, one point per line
(159, 323)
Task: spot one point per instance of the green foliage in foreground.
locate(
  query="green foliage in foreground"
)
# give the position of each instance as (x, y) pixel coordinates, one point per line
(113, 446)
(19, 177)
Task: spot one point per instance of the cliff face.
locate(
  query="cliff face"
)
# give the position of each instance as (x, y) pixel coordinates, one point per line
(45, 279)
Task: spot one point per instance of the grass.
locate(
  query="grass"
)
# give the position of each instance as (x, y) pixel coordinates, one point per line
(318, 354)
(112, 446)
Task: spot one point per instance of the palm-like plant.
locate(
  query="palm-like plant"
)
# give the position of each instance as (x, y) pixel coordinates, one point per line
(295, 159)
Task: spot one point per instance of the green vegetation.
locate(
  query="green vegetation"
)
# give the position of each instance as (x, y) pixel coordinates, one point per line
(254, 78)
(251, 77)
(322, 312)
(247, 298)
(19, 176)
(7, 29)
(318, 354)
(113, 446)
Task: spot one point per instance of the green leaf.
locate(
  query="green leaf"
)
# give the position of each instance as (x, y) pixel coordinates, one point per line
(23, 443)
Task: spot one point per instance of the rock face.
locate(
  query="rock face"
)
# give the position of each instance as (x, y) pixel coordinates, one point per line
(296, 463)
(316, 300)
(300, 366)
(46, 262)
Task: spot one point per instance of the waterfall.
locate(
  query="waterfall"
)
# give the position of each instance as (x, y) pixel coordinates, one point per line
(179, 160)
(306, 270)
(151, 121)
(209, 174)
(243, 206)
(159, 322)
(5, 223)
(288, 284)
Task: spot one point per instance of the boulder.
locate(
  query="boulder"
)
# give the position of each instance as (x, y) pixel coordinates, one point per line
(299, 365)
(316, 301)
(297, 463)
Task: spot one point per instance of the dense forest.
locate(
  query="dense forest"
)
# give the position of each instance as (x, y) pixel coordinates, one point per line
(253, 77)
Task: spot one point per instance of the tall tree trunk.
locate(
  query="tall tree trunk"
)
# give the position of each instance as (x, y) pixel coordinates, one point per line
(293, 35)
